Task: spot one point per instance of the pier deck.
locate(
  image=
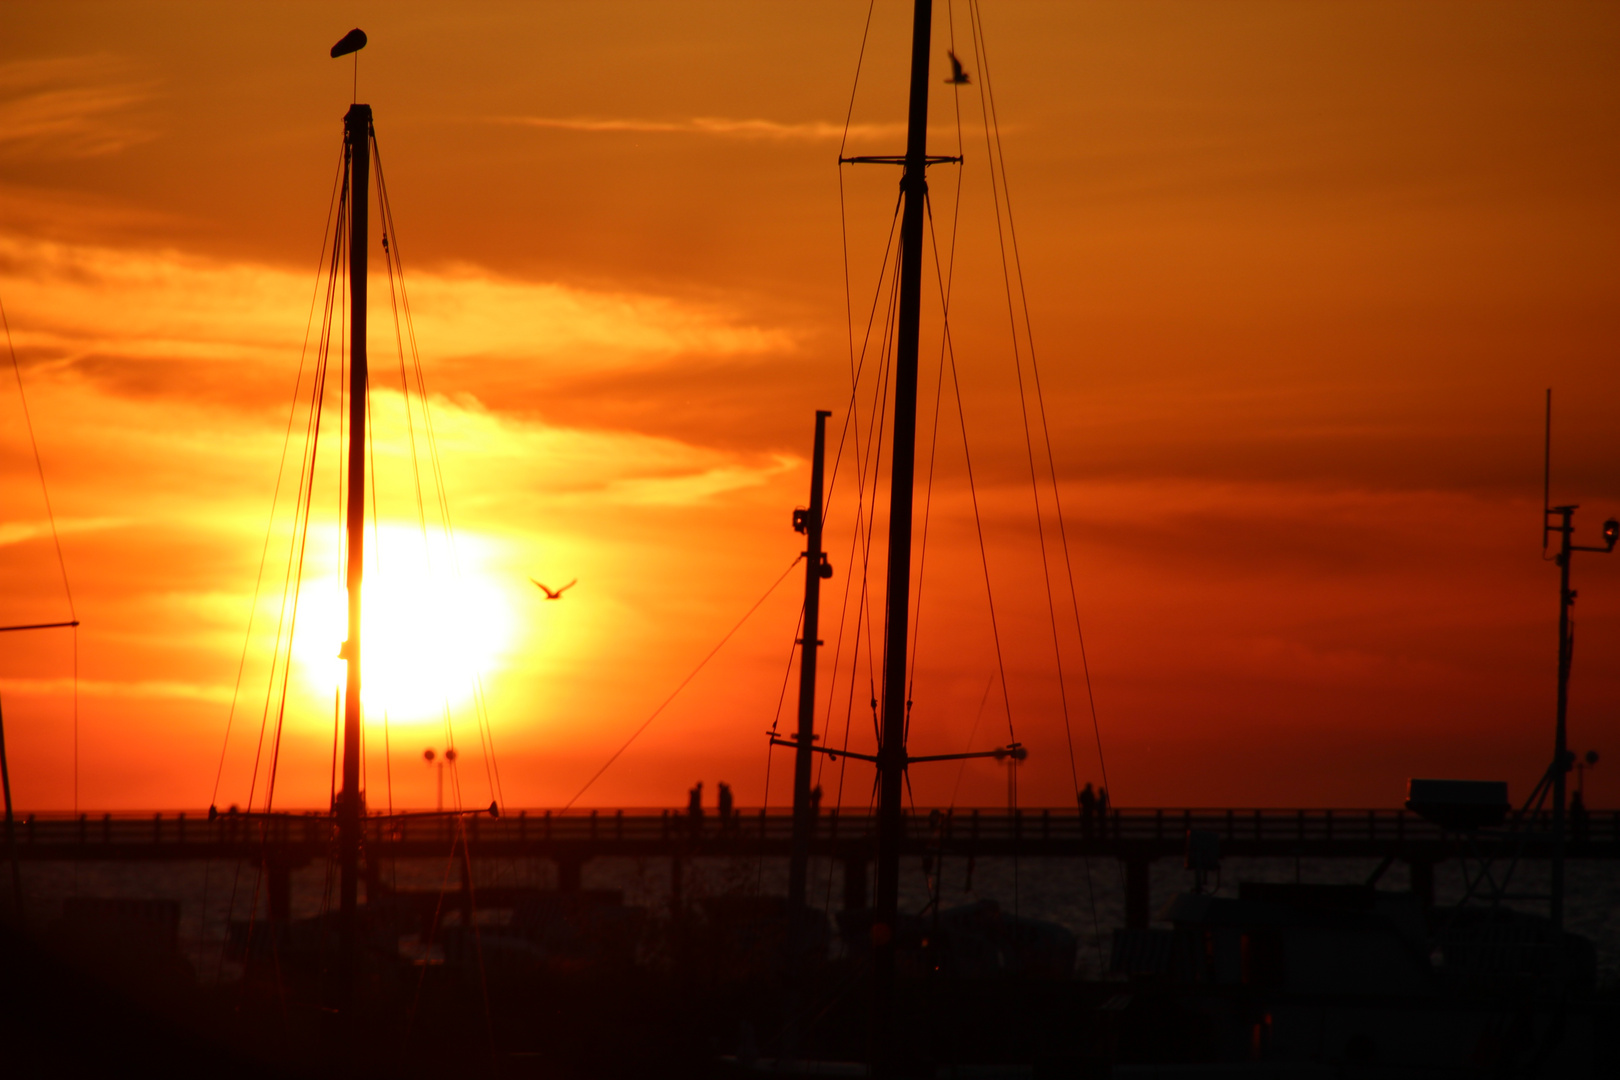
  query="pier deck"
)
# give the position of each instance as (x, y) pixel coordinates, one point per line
(1136, 837)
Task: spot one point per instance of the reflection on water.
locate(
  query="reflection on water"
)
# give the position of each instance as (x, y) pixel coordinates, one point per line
(1085, 896)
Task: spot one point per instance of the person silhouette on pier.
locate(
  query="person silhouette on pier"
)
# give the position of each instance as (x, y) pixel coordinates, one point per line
(694, 807)
(724, 797)
(1088, 809)
(1579, 818)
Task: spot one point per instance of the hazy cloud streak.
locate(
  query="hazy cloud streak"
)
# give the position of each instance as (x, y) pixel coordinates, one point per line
(720, 126)
(68, 107)
(112, 311)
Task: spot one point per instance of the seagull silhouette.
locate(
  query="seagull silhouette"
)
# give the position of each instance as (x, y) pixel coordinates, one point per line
(556, 594)
(958, 76)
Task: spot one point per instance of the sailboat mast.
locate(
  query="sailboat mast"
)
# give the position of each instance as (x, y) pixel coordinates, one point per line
(803, 810)
(891, 763)
(357, 126)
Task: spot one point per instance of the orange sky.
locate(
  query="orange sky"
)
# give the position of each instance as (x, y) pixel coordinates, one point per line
(1298, 277)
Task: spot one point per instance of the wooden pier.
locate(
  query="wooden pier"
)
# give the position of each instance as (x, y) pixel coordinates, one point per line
(1134, 837)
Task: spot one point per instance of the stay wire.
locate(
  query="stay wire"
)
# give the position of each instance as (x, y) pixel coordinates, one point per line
(843, 229)
(988, 109)
(867, 468)
(305, 491)
(961, 768)
(862, 543)
(292, 412)
(982, 53)
(286, 667)
(395, 261)
(859, 60)
(851, 425)
(984, 556)
(880, 416)
(682, 685)
(56, 540)
(859, 365)
(939, 386)
(978, 520)
(39, 465)
(787, 677)
(770, 745)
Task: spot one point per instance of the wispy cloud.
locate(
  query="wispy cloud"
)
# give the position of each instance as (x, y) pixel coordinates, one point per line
(717, 126)
(70, 107)
(140, 689)
(160, 321)
(694, 487)
(17, 532)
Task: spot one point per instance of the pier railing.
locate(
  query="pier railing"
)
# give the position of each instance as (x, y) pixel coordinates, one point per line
(1035, 831)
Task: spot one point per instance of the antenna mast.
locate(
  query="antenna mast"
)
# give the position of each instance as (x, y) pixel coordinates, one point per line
(1562, 759)
(1546, 472)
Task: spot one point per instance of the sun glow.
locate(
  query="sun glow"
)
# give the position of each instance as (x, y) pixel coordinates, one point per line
(428, 633)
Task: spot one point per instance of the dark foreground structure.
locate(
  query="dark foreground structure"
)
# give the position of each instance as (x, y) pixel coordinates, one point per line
(470, 980)
(1136, 838)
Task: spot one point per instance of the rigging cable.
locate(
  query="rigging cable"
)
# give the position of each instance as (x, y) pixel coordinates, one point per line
(682, 685)
(56, 540)
(770, 746)
(978, 521)
(988, 105)
(984, 556)
(939, 381)
(400, 302)
(997, 157)
(862, 531)
(305, 491)
(868, 467)
(306, 467)
(395, 263)
(862, 459)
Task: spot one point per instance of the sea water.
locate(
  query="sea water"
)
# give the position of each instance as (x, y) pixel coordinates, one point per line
(1085, 895)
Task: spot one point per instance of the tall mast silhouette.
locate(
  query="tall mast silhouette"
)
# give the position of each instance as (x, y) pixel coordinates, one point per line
(891, 755)
(815, 569)
(357, 129)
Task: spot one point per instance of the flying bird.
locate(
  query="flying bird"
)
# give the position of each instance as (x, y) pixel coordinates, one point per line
(958, 76)
(353, 41)
(555, 594)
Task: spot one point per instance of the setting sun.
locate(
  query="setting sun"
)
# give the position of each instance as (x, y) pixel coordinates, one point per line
(430, 630)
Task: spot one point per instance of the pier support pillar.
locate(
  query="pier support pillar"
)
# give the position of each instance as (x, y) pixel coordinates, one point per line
(372, 876)
(568, 872)
(280, 891)
(855, 891)
(1137, 897)
(466, 897)
(1422, 872)
(676, 866)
